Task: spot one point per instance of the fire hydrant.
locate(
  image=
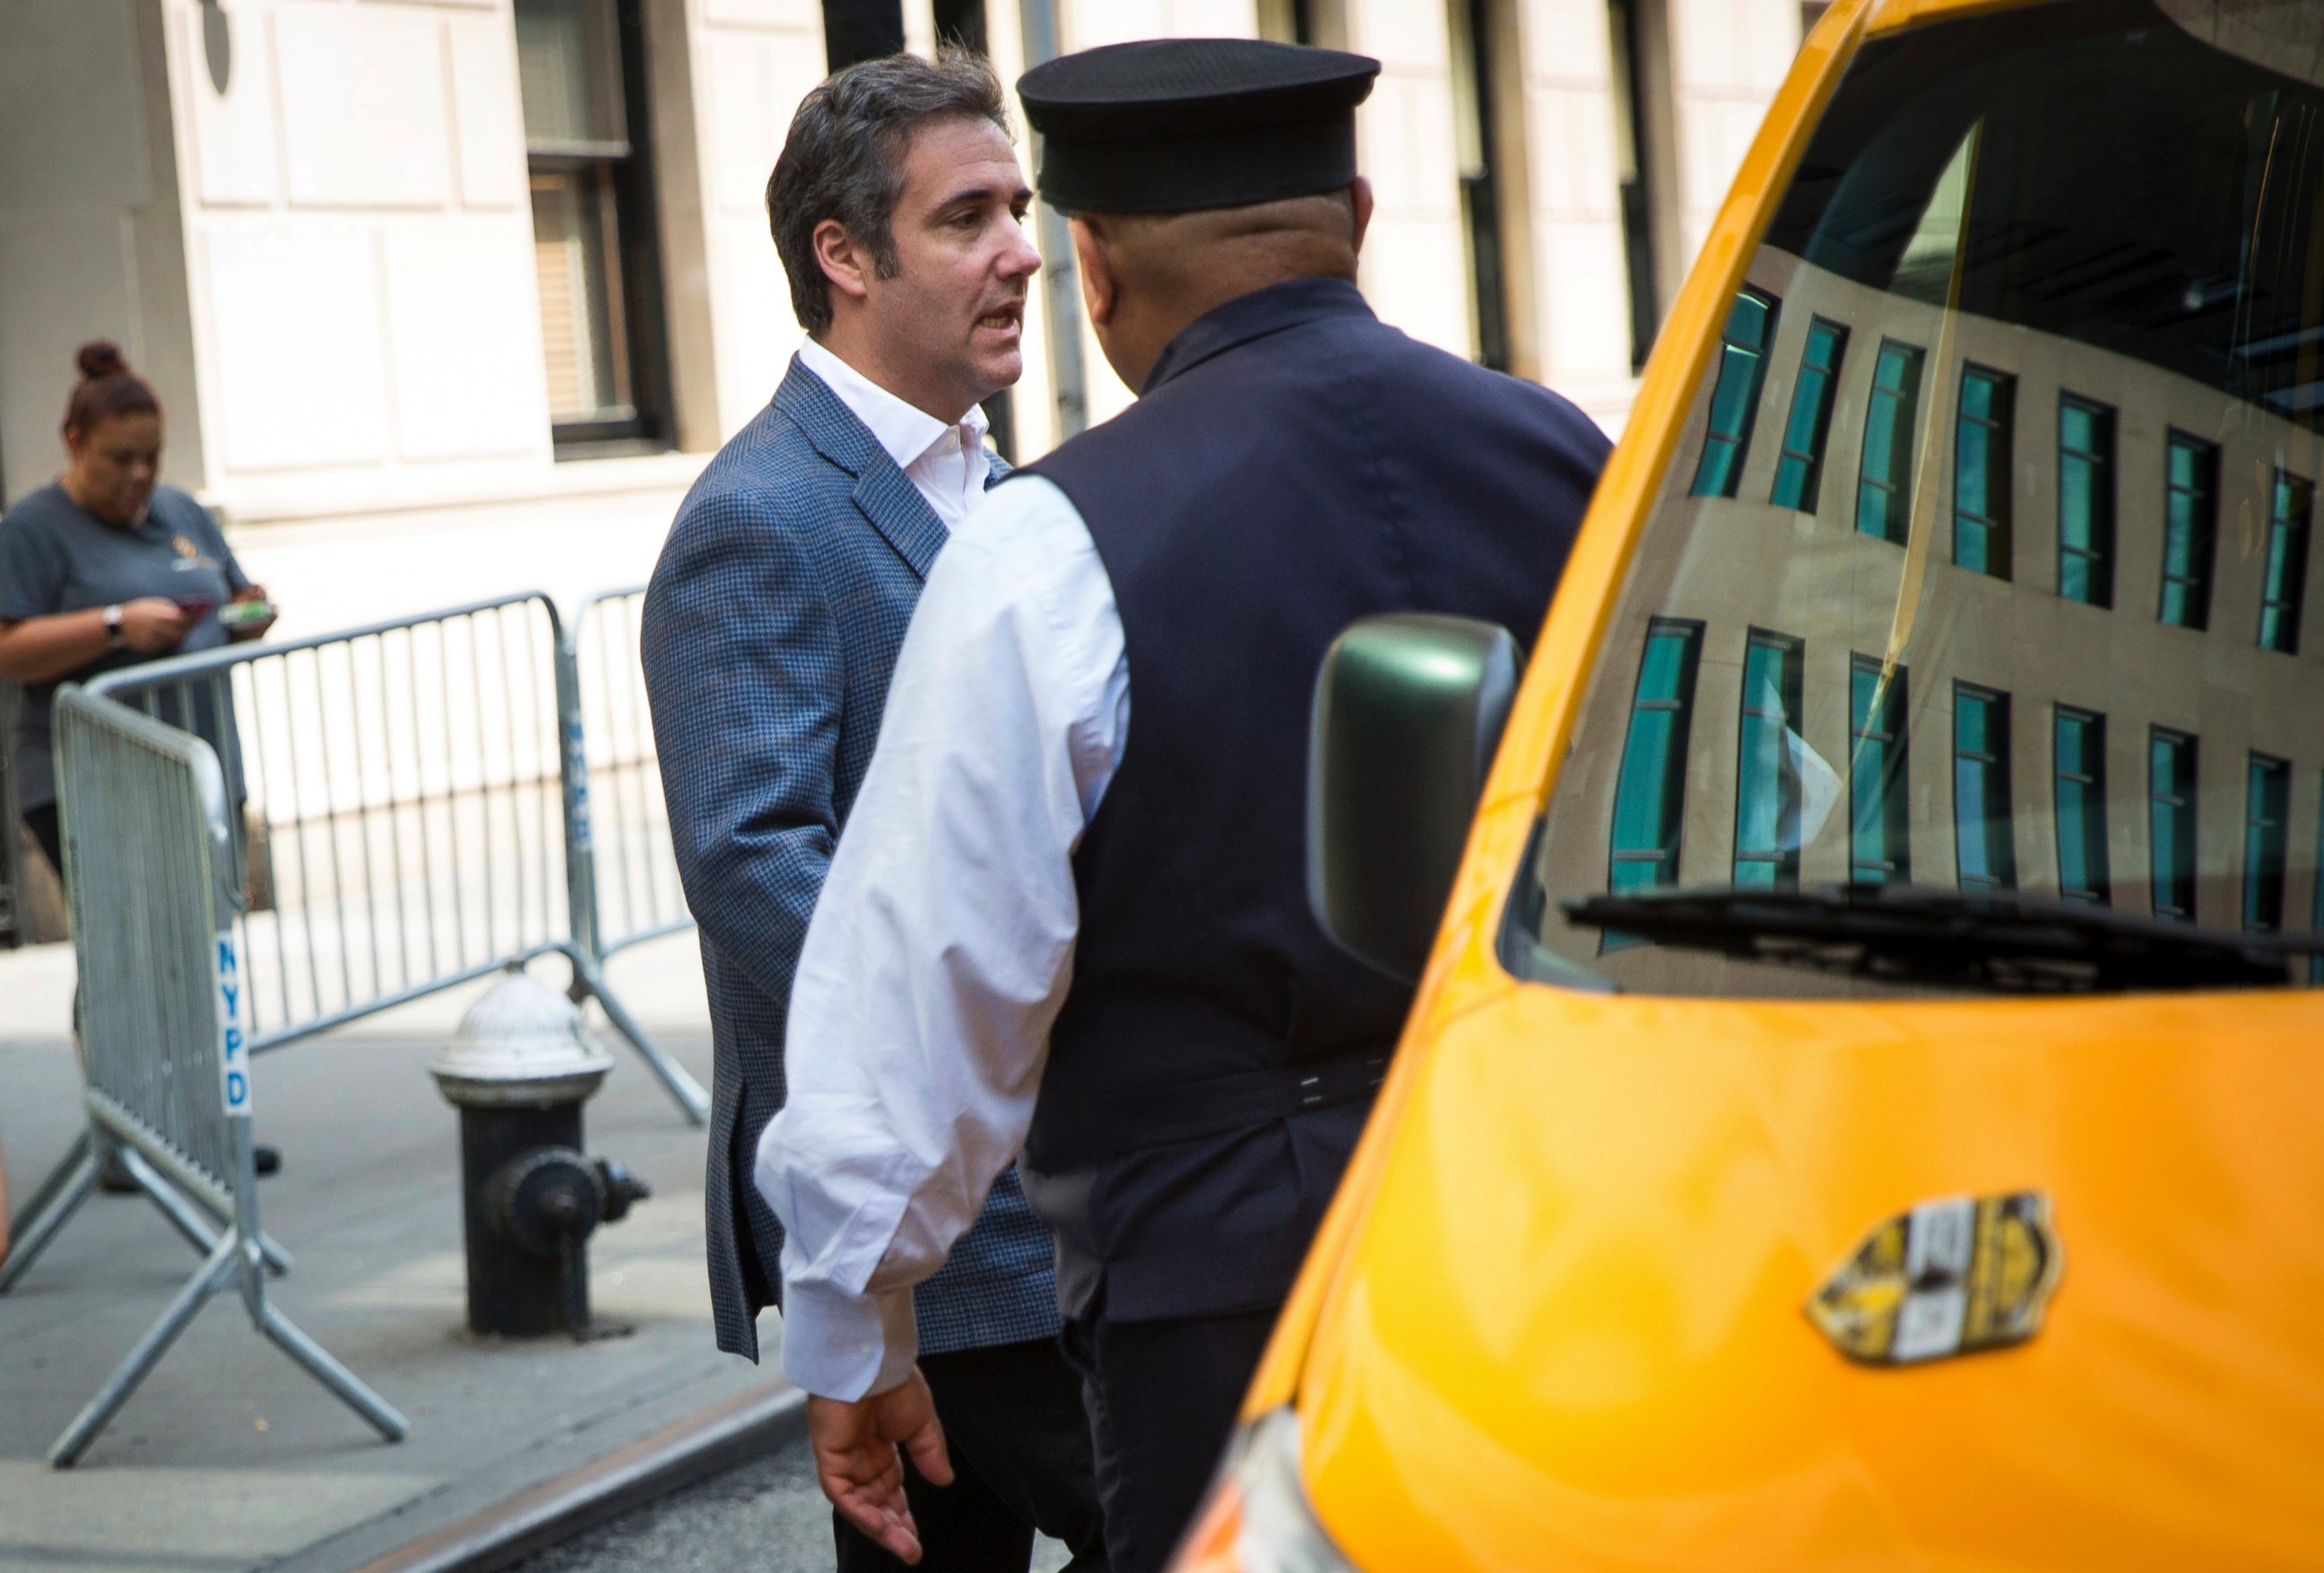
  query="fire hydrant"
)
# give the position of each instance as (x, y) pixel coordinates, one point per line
(519, 1070)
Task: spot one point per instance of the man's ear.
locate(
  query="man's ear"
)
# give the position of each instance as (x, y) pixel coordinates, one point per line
(847, 266)
(1101, 283)
(1360, 197)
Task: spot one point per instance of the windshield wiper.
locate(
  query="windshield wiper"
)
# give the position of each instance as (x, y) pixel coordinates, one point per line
(2001, 941)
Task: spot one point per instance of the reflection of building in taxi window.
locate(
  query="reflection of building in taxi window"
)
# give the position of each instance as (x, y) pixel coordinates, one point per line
(1800, 470)
(2190, 480)
(2265, 837)
(2071, 489)
(1883, 478)
(1767, 784)
(2170, 817)
(2287, 563)
(2085, 501)
(1734, 396)
(2078, 750)
(1880, 800)
(1984, 442)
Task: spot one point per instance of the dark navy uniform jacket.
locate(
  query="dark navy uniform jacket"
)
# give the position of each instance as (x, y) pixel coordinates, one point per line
(1292, 465)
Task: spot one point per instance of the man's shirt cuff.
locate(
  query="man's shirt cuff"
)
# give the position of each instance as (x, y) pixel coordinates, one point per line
(844, 1345)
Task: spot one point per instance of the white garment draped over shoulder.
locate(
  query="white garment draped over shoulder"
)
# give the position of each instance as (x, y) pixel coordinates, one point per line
(943, 944)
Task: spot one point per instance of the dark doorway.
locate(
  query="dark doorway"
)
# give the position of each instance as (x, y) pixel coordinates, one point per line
(860, 29)
(1633, 160)
(1480, 194)
(962, 23)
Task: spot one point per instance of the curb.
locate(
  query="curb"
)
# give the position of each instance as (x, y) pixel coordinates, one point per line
(694, 1448)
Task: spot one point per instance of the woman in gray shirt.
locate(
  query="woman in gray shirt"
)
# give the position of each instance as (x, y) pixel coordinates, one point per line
(106, 567)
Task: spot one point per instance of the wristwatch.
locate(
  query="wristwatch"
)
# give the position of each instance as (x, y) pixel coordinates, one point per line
(113, 636)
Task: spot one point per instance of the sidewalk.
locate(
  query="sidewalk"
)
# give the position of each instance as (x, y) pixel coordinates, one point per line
(229, 1457)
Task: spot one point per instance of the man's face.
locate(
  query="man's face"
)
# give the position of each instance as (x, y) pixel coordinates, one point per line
(955, 309)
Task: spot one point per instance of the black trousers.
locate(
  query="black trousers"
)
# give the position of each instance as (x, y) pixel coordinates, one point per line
(1020, 1445)
(46, 831)
(1162, 1399)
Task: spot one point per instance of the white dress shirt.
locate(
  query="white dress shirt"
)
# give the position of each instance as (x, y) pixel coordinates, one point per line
(945, 464)
(943, 944)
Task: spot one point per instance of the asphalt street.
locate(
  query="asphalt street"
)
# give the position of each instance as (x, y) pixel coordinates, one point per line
(766, 1517)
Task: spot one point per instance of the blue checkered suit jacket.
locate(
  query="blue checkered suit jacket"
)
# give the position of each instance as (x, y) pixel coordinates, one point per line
(770, 628)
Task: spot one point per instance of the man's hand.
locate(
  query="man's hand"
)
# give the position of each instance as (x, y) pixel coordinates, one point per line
(856, 1460)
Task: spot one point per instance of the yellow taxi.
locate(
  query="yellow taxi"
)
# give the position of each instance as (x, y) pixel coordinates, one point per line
(1864, 1106)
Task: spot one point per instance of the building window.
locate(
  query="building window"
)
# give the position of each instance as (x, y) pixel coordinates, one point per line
(2287, 563)
(1800, 469)
(595, 251)
(1982, 470)
(1884, 503)
(1985, 852)
(2078, 746)
(2085, 502)
(2191, 509)
(1650, 795)
(1766, 771)
(1734, 400)
(2267, 829)
(1636, 131)
(2171, 820)
(1482, 204)
(1879, 801)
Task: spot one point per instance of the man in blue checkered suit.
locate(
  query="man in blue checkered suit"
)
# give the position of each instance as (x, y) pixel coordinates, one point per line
(770, 628)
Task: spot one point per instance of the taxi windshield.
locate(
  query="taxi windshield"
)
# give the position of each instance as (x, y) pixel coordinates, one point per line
(1973, 615)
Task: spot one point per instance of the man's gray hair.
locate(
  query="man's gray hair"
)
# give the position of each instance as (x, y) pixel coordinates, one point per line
(843, 159)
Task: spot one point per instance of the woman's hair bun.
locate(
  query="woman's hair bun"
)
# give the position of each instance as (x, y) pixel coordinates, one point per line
(100, 357)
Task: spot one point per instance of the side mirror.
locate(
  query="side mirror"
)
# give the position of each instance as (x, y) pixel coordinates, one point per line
(1409, 709)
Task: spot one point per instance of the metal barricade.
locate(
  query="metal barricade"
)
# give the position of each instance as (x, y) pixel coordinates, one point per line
(417, 804)
(410, 807)
(150, 859)
(633, 892)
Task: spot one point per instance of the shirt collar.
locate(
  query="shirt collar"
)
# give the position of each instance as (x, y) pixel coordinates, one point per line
(1254, 316)
(904, 430)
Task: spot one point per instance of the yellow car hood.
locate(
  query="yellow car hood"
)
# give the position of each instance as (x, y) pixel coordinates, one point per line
(1567, 1331)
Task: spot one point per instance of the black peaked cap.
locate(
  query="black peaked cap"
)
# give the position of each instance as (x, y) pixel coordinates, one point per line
(1172, 124)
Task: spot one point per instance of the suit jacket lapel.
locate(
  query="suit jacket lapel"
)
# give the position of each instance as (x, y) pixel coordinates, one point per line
(883, 493)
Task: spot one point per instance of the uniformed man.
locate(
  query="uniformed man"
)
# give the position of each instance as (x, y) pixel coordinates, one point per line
(1069, 914)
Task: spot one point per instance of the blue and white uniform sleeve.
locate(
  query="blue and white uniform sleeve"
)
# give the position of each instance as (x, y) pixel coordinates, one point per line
(942, 943)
